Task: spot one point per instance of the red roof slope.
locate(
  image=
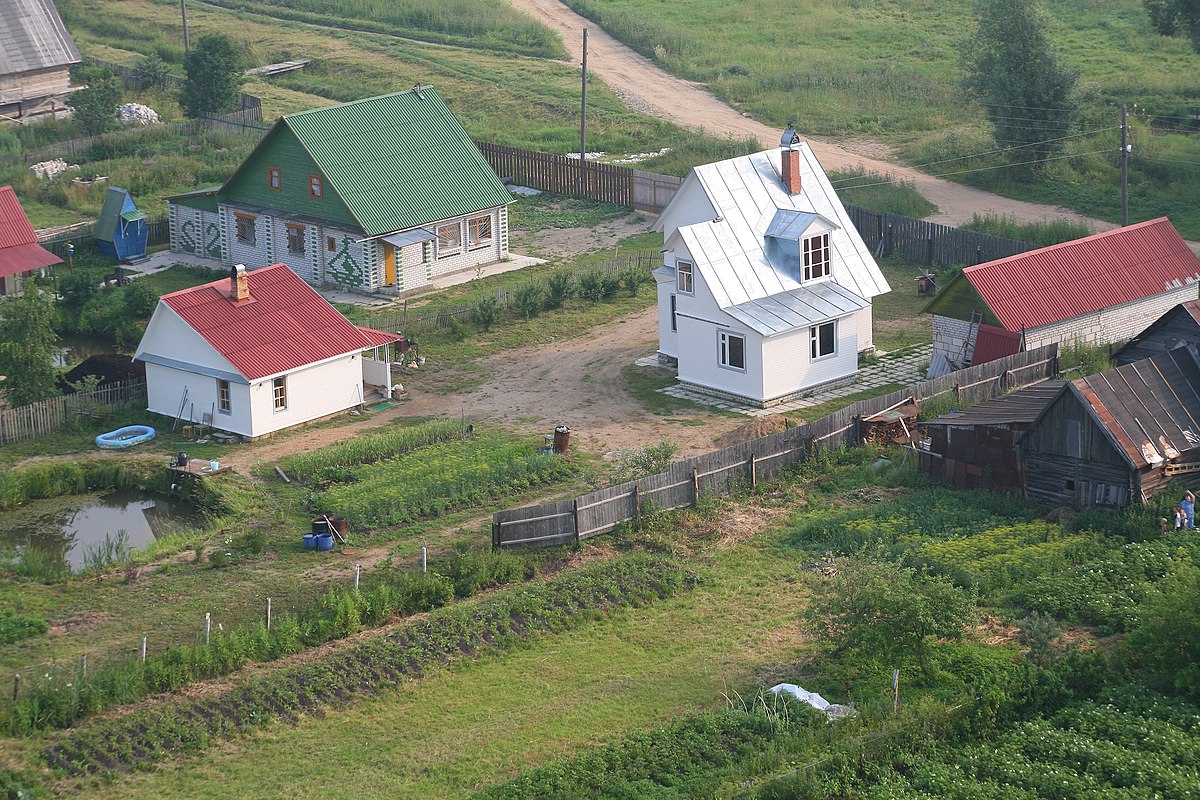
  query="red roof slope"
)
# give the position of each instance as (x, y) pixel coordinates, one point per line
(992, 343)
(284, 325)
(19, 248)
(1074, 278)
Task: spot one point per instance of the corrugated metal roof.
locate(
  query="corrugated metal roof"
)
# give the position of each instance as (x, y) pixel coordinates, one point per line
(415, 236)
(1178, 327)
(1151, 408)
(992, 343)
(1021, 407)
(1080, 277)
(399, 161)
(797, 308)
(751, 204)
(115, 202)
(285, 325)
(32, 37)
(19, 248)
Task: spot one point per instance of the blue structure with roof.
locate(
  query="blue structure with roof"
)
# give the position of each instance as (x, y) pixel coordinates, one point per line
(121, 230)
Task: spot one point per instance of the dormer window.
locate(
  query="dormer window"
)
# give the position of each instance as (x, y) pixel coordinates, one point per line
(815, 256)
(683, 276)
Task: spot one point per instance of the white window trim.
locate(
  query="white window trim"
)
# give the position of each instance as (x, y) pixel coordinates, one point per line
(723, 338)
(284, 394)
(806, 269)
(814, 338)
(691, 273)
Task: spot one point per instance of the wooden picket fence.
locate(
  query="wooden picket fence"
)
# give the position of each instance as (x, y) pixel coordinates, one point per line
(731, 469)
(48, 416)
(927, 242)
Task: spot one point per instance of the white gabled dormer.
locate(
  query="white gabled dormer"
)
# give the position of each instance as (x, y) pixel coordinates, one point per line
(797, 245)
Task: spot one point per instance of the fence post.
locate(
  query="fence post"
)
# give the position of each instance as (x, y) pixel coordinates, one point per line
(207, 627)
(268, 613)
(637, 506)
(575, 518)
(695, 486)
(929, 256)
(357, 572)
(753, 471)
(495, 534)
(889, 241)
(143, 648)
(424, 559)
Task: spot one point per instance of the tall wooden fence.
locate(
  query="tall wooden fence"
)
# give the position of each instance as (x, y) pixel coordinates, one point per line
(743, 465)
(39, 419)
(608, 183)
(423, 317)
(927, 242)
(158, 231)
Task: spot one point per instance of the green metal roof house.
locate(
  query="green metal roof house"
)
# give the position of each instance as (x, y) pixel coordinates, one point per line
(382, 193)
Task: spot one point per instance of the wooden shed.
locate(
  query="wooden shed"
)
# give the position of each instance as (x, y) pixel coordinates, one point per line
(1178, 327)
(121, 229)
(975, 448)
(1117, 437)
(36, 54)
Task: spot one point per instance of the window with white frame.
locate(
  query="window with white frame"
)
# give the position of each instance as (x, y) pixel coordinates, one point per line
(224, 404)
(449, 239)
(279, 393)
(479, 231)
(683, 276)
(823, 340)
(731, 350)
(815, 254)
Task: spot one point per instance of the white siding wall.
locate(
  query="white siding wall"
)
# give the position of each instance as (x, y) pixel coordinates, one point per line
(164, 391)
(866, 331)
(312, 392)
(699, 319)
(668, 340)
(170, 337)
(789, 367)
(1113, 324)
(689, 206)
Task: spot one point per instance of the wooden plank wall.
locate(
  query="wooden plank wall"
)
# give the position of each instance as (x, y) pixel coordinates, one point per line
(158, 231)
(731, 469)
(560, 174)
(39, 419)
(928, 242)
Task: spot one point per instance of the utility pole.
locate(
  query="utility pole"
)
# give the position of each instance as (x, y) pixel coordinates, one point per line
(1124, 166)
(183, 10)
(583, 123)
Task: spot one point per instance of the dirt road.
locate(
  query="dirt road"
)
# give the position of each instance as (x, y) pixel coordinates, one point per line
(647, 88)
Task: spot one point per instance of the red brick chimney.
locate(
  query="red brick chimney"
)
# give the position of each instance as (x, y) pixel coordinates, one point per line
(791, 160)
(239, 284)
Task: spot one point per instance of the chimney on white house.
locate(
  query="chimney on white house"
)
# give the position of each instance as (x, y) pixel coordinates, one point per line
(239, 284)
(791, 160)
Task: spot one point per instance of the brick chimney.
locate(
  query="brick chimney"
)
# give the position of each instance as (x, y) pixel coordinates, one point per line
(791, 160)
(239, 284)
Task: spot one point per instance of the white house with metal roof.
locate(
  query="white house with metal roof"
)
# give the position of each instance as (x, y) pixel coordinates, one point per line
(765, 289)
(36, 54)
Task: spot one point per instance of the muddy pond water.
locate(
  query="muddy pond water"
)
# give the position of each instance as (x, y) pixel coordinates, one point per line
(83, 528)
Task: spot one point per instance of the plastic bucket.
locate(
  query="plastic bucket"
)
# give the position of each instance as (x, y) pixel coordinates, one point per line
(324, 541)
(310, 541)
(320, 525)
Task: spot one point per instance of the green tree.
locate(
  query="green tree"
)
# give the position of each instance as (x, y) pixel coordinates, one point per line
(1175, 18)
(1012, 69)
(152, 72)
(213, 70)
(886, 611)
(1166, 645)
(529, 299)
(95, 107)
(486, 313)
(28, 346)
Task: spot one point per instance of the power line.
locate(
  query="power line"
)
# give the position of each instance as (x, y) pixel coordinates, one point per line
(985, 169)
(1162, 160)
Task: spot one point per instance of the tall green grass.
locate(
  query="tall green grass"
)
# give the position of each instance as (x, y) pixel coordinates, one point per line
(860, 187)
(371, 447)
(1043, 233)
(58, 478)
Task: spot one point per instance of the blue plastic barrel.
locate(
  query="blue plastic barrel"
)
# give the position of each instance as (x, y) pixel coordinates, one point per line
(324, 541)
(310, 541)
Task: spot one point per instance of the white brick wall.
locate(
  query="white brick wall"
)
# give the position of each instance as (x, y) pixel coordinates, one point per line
(1111, 325)
(949, 335)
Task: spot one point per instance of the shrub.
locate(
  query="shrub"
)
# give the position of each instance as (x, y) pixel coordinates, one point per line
(560, 287)
(15, 627)
(591, 287)
(530, 299)
(486, 313)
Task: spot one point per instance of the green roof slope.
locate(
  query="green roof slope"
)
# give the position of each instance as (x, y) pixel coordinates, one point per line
(399, 160)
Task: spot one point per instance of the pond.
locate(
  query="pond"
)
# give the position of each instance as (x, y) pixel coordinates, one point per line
(74, 348)
(85, 529)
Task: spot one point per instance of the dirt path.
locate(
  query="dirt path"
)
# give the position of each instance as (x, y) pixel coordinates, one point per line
(645, 87)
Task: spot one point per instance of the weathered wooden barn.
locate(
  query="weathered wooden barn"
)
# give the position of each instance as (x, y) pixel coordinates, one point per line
(974, 448)
(1178, 327)
(36, 54)
(1117, 437)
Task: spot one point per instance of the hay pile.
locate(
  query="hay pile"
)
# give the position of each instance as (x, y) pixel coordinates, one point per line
(756, 429)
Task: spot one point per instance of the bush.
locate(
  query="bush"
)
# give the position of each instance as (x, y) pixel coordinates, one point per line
(486, 313)
(15, 627)
(560, 287)
(530, 299)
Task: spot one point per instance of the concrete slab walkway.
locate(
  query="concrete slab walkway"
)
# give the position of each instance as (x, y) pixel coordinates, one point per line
(903, 367)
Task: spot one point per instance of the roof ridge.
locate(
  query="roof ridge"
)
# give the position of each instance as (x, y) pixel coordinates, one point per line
(1059, 245)
(225, 279)
(415, 90)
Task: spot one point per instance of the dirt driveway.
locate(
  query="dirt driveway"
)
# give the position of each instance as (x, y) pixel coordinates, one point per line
(647, 88)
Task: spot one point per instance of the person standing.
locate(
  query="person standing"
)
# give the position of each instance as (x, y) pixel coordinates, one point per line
(1188, 506)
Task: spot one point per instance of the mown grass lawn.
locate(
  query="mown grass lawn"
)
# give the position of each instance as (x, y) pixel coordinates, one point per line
(486, 720)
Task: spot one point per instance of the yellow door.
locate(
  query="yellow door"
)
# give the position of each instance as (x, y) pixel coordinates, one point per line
(389, 265)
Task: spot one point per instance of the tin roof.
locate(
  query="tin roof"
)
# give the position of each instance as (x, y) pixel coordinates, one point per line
(33, 36)
(1021, 407)
(399, 160)
(1068, 280)
(1178, 327)
(1150, 408)
(744, 269)
(19, 248)
(116, 201)
(284, 325)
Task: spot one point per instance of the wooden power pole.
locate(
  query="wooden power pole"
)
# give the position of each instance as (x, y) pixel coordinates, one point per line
(1124, 166)
(583, 124)
(183, 10)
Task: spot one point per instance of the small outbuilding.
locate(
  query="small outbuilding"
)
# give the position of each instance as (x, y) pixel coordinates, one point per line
(121, 229)
(974, 448)
(1117, 437)
(36, 56)
(20, 253)
(1179, 327)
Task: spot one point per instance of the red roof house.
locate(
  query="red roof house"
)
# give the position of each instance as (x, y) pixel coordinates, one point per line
(1100, 289)
(258, 352)
(20, 253)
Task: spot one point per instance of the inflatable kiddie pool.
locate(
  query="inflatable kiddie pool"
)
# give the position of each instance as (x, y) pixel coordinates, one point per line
(125, 437)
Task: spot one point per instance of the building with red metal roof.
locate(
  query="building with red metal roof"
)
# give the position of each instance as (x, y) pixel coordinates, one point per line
(257, 352)
(20, 253)
(1096, 290)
